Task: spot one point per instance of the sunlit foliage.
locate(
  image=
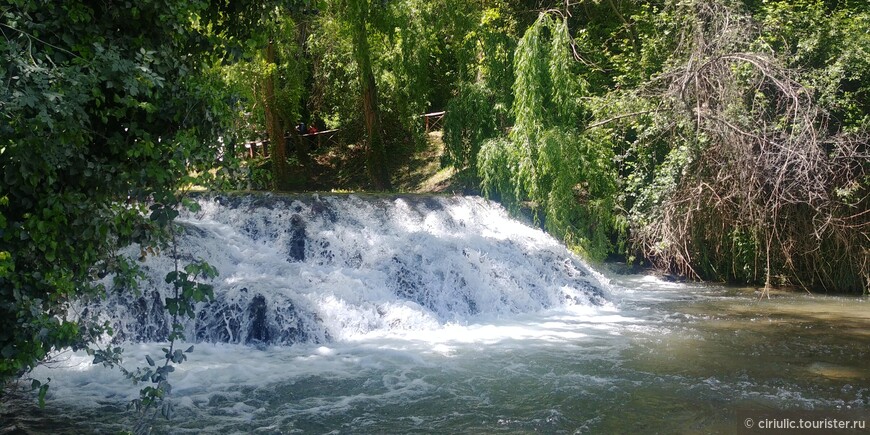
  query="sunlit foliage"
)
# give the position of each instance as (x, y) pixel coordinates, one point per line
(546, 163)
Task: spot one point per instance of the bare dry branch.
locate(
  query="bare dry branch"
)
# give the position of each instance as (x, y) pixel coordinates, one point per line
(762, 164)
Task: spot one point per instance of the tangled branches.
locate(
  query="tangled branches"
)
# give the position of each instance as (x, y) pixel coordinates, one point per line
(762, 189)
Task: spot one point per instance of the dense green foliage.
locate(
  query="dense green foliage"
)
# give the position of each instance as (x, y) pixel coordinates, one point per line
(481, 106)
(100, 117)
(726, 140)
(566, 178)
(378, 66)
(761, 182)
(744, 160)
(258, 58)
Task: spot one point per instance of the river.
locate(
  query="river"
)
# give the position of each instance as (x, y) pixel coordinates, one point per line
(583, 352)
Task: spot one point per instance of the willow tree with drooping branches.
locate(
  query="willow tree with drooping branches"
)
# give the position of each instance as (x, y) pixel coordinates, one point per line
(546, 163)
(481, 107)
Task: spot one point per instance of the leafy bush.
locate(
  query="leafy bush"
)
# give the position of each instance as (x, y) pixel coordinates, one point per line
(101, 115)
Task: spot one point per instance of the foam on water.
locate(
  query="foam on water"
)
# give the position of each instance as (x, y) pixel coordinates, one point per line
(337, 268)
(347, 314)
(603, 367)
(383, 367)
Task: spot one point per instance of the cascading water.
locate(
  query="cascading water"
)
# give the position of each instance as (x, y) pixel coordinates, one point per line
(410, 314)
(333, 268)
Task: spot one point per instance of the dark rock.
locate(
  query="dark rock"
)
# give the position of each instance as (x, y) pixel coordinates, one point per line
(472, 305)
(409, 284)
(258, 324)
(296, 246)
(355, 261)
(192, 230)
(151, 324)
(430, 204)
(321, 208)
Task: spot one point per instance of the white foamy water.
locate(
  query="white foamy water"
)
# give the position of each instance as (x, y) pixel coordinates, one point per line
(337, 268)
(444, 315)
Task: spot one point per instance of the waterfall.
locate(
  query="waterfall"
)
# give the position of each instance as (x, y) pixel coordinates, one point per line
(332, 267)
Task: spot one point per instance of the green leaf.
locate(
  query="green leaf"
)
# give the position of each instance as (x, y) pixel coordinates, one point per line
(172, 306)
(191, 205)
(43, 390)
(171, 277)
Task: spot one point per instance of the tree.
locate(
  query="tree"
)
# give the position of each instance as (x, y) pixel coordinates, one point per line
(373, 75)
(546, 163)
(481, 106)
(753, 181)
(263, 63)
(357, 16)
(281, 94)
(729, 137)
(104, 110)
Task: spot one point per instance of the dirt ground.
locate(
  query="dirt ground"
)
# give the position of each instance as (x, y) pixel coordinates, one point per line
(419, 171)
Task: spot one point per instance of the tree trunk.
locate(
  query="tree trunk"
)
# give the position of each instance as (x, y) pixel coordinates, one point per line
(376, 155)
(276, 128)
